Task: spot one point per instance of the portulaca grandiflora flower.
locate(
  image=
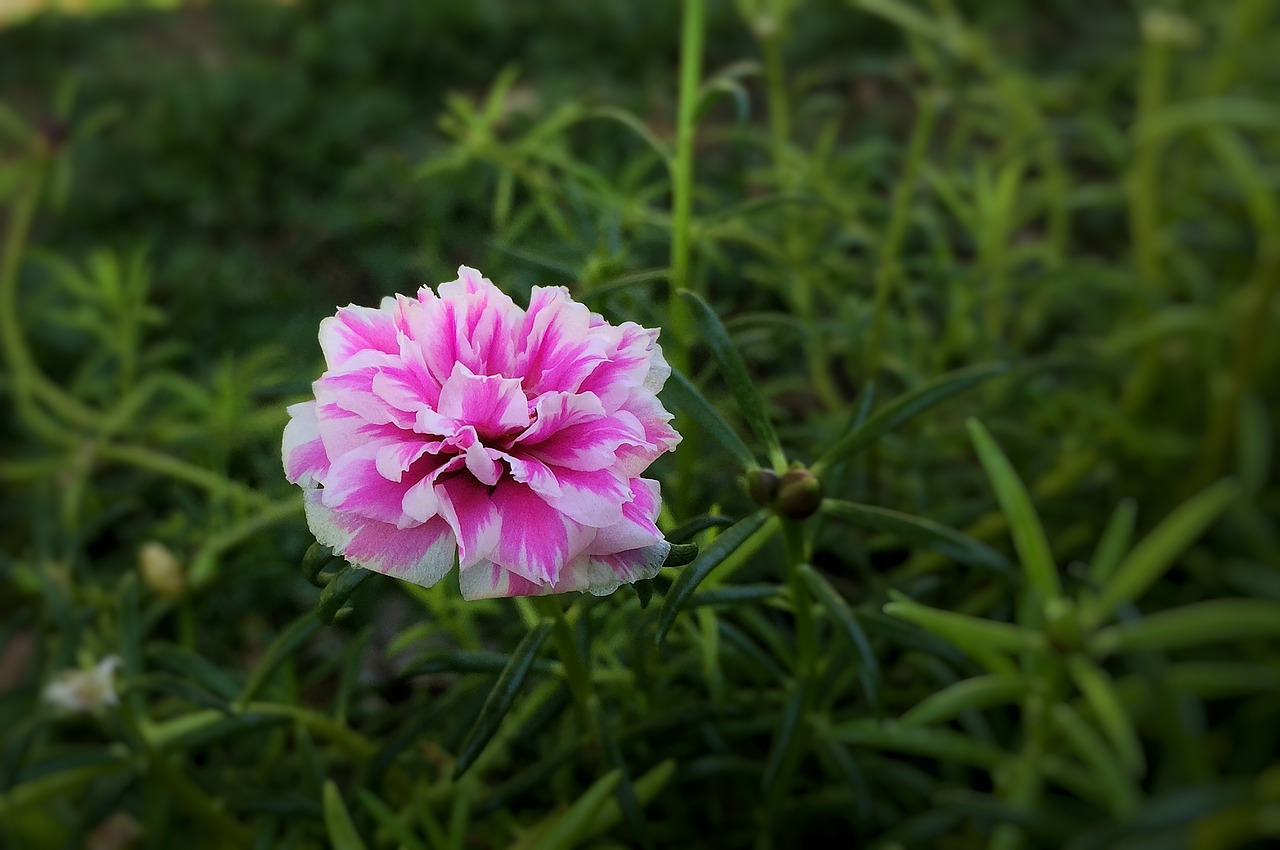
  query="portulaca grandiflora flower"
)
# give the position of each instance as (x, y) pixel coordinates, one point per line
(460, 427)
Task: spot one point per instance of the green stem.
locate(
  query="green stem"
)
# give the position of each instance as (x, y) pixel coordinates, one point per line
(887, 265)
(693, 31)
(1144, 198)
(576, 667)
(801, 602)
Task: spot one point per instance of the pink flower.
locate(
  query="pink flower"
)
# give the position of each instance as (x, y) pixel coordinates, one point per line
(462, 425)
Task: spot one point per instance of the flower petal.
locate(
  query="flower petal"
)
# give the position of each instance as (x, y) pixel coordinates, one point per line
(493, 404)
(305, 460)
(555, 350)
(636, 529)
(537, 540)
(354, 330)
(423, 554)
(470, 511)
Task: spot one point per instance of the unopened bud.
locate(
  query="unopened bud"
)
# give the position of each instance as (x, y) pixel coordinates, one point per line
(762, 485)
(161, 572)
(1165, 26)
(799, 494)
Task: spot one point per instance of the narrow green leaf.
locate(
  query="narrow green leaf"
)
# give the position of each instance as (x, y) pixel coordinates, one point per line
(965, 695)
(192, 665)
(299, 631)
(735, 374)
(895, 736)
(685, 396)
(786, 738)
(734, 595)
(906, 407)
(983, 640)
(1114, 542)
(1121, 791)
(1156, 552)
(389, 820)
(847, 625)
(688, 530)
(1100, 693)
(919, 531)
(680, 554)
(693, 575)
(647, 787)
(330, 607)
(1028, 534)
(502, 697)
(570, 828)
(130, 625)
(1192, 625)
(337, 821)
(468, 661)
(626, 798)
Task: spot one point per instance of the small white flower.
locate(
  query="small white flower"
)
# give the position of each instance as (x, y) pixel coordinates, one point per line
(85, 691)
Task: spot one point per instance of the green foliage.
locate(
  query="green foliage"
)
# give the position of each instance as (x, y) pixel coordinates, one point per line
(999, 279)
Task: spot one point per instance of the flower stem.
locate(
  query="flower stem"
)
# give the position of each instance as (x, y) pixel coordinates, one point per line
(576, 667)
(692, 35)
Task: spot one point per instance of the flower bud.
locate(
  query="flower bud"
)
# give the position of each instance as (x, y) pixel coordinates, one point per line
(85, 691)
(799, 494)
(762, 486)
(161, 572)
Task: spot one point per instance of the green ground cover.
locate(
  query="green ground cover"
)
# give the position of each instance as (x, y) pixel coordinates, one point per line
(1002, 274)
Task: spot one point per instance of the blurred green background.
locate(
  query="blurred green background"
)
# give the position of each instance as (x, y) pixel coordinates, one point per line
(884, 191)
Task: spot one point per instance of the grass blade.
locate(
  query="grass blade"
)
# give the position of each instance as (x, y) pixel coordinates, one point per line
(681, 392)
(1192, 625)
(1114, 542)
(571, 828)
(502, 697)
(299, 631)
(735, 375)
(985, 641)
(1028, 534)
(847, 624)
(895, 736)
(1157, 551)
(965, 695)
(389, 820)
(693, 575)
(919, 531)
(1099, 691)
(1121, 792)
(337, 821)
(906, 407)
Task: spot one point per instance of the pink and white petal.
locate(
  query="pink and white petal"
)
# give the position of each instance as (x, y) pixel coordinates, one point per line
(493, 404)
(637, 529)
(433, 330)
(575, 440)
(343, 431)
(394, 459)
(330, 528)
(487, 322)
(601, 575)
(355, 329)
(533, 472)
(421, 502)
(536, 540)
(354, 486)
(653, 420)
(472, 514)
(554, 349)
(555, 411)
(487, 580)
(303, 454)
(423, 554)
(591, 498)
(627, 366)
